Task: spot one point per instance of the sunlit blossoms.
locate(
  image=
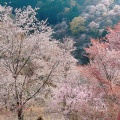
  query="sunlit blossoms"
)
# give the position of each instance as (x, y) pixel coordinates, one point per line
(30, 60)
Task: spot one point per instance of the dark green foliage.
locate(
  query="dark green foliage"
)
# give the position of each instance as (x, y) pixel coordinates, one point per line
(19, 3)
(54, 10)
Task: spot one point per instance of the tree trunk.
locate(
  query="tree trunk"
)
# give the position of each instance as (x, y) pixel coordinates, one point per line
(20, 114)
(118, 117)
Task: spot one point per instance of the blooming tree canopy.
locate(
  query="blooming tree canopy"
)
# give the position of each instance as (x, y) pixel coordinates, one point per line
(30, 59)
(104, 67)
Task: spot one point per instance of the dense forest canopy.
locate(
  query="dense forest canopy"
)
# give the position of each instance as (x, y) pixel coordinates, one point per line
(80, 19)
(54, 10)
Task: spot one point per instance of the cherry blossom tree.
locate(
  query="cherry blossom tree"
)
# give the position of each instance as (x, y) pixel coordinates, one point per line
(94, 92)
(30, 60)
(104, 67)
(76, 99)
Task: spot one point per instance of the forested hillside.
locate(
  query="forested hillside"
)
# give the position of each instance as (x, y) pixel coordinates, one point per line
(60, 60)
(80, 19)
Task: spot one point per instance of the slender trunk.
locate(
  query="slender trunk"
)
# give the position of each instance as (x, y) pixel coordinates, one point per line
(118, 117)
(20, 114)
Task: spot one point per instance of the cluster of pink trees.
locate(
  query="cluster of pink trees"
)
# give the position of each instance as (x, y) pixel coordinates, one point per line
(104, 69)
(33, 65)
(96, 93)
